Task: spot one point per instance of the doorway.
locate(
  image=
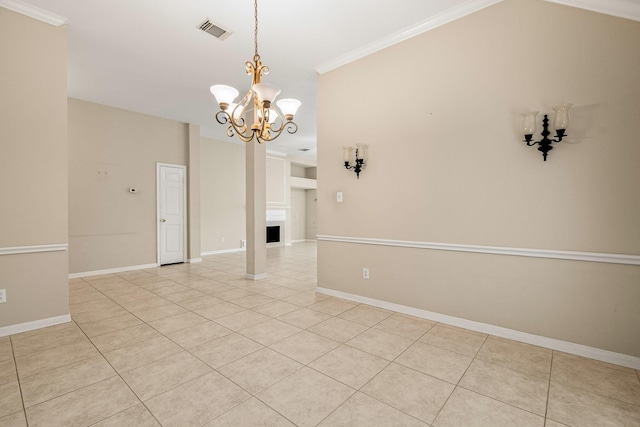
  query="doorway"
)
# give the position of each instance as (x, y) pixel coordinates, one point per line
(171, 219)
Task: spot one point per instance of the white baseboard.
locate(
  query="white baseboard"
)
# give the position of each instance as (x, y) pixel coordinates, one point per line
(223, 251)
(194, 260)
(36, 324)
(112, 270)
(256, 276)
(551, 343)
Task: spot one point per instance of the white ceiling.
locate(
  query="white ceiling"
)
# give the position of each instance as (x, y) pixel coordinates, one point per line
(149, 56)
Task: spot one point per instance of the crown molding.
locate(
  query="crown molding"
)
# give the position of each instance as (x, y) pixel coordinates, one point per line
(34, 12)
(450, 15)
(628, 9)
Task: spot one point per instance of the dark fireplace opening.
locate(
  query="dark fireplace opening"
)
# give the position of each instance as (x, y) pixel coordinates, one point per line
(273, 234)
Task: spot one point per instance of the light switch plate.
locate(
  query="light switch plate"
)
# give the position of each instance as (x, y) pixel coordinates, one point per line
(3, 295)
(339, 197)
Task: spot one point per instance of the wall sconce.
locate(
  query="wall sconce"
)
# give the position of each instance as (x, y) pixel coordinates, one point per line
(560, 123)
(361, 154)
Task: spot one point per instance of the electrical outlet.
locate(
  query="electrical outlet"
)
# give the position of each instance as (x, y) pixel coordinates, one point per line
(365, 273)
(221, 239)
(3, 295)
(243, 243)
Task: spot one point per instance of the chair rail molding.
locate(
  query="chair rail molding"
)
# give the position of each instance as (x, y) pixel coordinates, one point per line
(34, 249)
(495, 250)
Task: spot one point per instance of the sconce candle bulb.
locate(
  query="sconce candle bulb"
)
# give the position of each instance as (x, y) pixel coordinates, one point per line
(358, 165)
(560, 123)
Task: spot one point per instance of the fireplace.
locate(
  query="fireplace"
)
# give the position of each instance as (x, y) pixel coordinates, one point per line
(273, 233)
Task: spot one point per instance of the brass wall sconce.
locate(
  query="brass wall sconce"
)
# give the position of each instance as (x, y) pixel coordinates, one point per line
(360, 156)
(560, 123)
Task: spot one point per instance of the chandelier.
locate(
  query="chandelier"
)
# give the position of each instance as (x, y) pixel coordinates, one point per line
(268, 121)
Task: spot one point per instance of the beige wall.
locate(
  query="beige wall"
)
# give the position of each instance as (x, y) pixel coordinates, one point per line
(33, 168)
(312, 214)
(110, 151)
(451, 169)
(222, 198)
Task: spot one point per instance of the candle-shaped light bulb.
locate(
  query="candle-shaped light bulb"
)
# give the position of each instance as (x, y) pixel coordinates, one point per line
(347, 154)
(561, 120)
(362, 153)
(529, 122)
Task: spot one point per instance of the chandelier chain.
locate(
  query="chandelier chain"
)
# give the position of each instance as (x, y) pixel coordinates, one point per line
(255, 6)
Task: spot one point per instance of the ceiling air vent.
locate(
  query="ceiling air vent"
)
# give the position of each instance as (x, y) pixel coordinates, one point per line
(218, 32)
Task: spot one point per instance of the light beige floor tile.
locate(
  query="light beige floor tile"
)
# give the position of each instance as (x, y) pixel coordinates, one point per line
(259, 370)
(47, 385)
(10, 398)
(349, 366)
(184, 295)
(522, 357)
(250, 413)
(136, 416)
(338, 329)
(164, 287)
(443, 364)
(152, 301)
(276, 308)
(139, 354)
(281, 293)
(362, 410)
(304, 318)
(306, 397)
(124, 337)
(381, 343)
(34, 363)
(332, 306)
(17, 419)
(41, 331)
(469, 409)
(578, 372)
(6, 351)
(252, 301)
(305, 347)
(157, 377)
(92, 305)
(221, 351)
(8, 371)
(506, 385)
(365, 315)
(201, 400)
(242, 320)
(219, 310)
(409, 391)
(305, 299)
(94, 316)
(270, 332)
(160, 312)
(405, 326)
(199, 334)
(551, 423)
(201, 302)
(85, 406)
(454, 339)
(576, 407)
(233, 293)
(101, 327)
(175, 323)
(45, 341)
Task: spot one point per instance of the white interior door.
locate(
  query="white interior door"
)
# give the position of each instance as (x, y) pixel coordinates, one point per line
(171, 214)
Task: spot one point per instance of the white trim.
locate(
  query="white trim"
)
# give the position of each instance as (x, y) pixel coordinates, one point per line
(223, 251)
(256, 276)
(34, 12)
(33, 249)
(498, 331)
(495, 250)
(195, 260)
(36, 324)
(112, 270)
(440, 19)
(628, 9)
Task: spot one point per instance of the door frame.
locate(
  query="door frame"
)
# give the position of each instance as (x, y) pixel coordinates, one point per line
(184, 211)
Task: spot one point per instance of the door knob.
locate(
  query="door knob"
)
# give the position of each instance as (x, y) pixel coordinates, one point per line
(163, 220)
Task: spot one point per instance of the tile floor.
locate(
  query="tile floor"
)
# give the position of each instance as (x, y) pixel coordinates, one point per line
(198, 345)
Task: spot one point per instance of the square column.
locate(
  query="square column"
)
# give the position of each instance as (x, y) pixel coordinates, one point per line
(256, 193)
